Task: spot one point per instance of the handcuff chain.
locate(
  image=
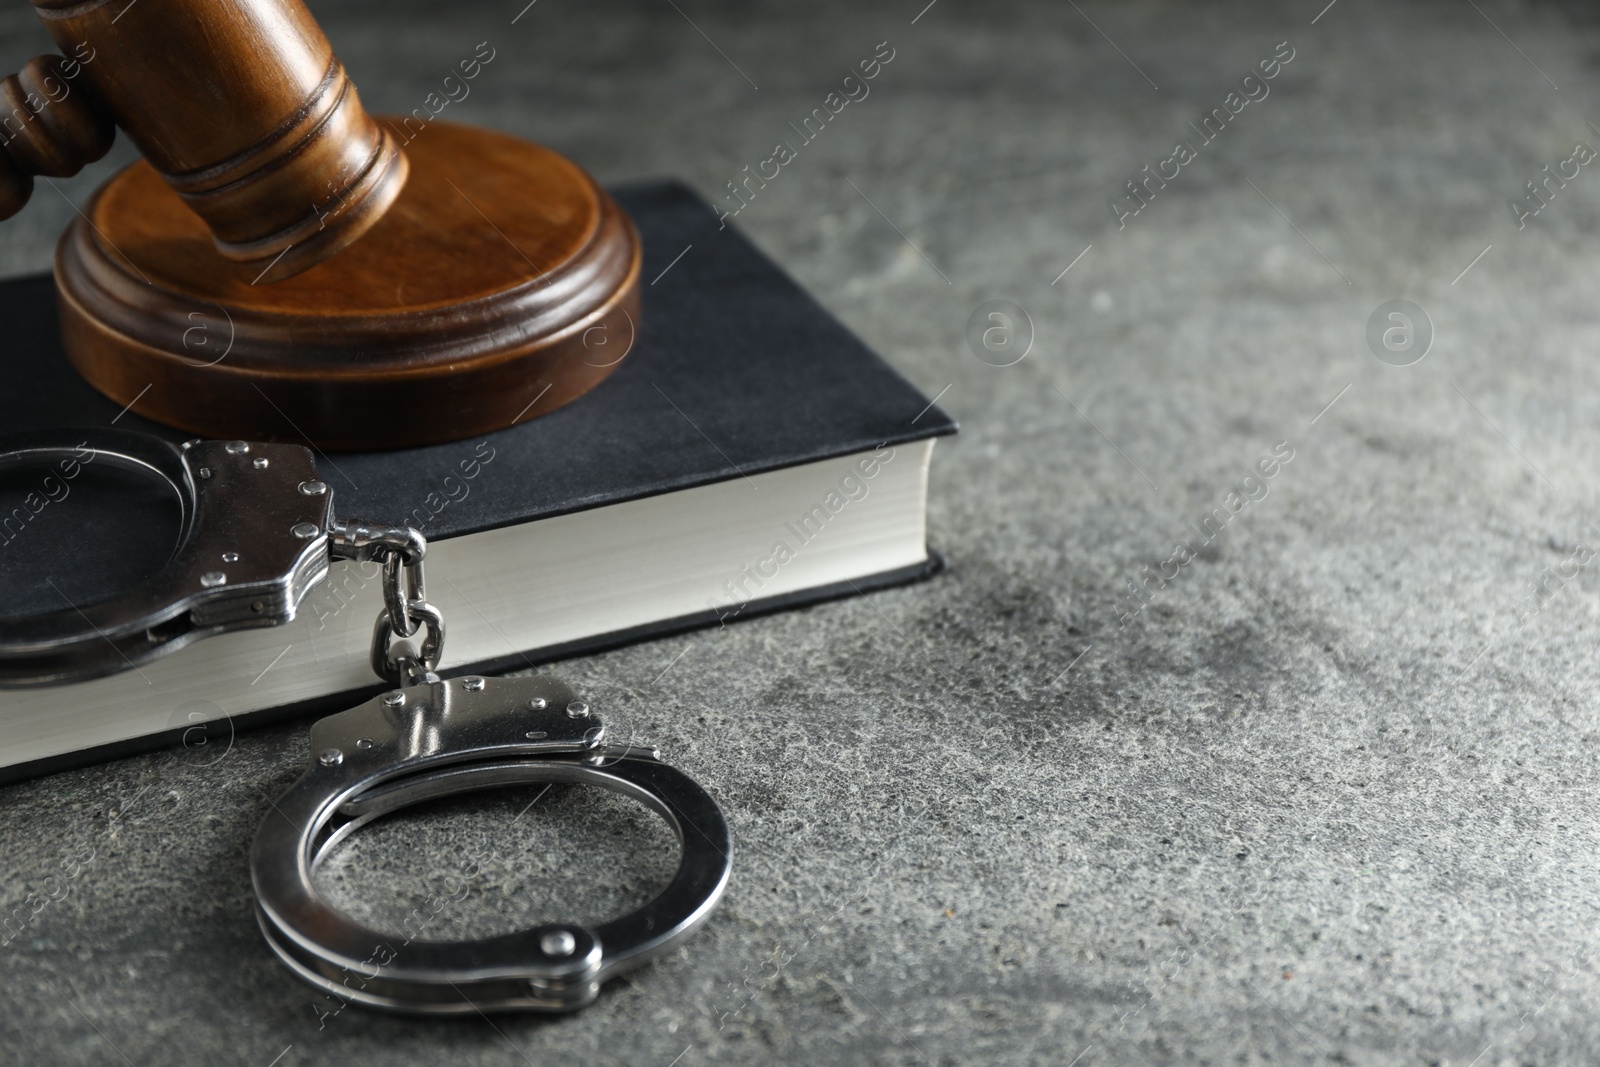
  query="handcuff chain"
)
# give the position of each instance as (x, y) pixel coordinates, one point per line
(400, 550)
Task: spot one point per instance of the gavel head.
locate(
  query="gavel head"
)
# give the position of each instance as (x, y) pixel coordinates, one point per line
(241, 106)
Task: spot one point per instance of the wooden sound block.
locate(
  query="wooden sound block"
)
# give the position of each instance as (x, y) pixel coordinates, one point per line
(502, 283)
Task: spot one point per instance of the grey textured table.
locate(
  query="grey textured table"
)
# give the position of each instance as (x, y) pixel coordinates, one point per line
(1329, 797)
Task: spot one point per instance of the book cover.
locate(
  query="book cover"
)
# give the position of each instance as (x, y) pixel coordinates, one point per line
(734, 371)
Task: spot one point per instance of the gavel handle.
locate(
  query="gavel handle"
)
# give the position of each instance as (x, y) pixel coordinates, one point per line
(49, 124)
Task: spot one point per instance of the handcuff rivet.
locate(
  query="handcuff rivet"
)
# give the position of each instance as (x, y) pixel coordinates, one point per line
(259, 463)
(473, 684)
(558, 943)
(562, 964)
(431, 747)
(313, 488)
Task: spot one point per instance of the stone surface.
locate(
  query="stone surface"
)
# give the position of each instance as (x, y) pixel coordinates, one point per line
(1330, 797)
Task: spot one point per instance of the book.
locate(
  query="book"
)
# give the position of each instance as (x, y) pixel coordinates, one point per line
(749, 455)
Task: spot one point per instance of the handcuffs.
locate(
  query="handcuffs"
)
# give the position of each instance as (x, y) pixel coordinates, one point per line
(257, 534)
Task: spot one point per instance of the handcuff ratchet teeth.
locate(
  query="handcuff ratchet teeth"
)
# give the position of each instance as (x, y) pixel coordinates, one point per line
(257, 533)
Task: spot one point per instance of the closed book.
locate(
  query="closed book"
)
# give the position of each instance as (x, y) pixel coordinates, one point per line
(748, 454)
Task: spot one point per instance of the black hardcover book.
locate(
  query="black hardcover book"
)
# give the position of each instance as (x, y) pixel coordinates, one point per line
(749, 454)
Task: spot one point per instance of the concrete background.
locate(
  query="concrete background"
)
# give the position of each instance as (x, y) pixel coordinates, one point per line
(1329, 798)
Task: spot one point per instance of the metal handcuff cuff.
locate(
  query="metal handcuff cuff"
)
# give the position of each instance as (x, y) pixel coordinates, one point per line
(258, 533)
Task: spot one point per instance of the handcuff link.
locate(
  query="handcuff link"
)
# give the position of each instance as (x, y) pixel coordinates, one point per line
(257, 533)
(401, 551)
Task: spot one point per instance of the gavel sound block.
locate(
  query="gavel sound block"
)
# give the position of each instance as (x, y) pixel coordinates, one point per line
(283, 266)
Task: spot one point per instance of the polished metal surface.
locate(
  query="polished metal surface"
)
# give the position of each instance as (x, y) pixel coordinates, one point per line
(445, 738)
(236, 511)
(403, 663)
(401, 550)
(257, 532)
(259, 510)
(398, 548)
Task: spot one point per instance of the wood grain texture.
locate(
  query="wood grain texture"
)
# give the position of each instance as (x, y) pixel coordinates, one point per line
(244, 110)
(502, 283)
(48, 126)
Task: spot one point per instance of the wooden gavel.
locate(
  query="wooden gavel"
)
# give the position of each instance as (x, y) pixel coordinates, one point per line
(241, 107)
(276, 268)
